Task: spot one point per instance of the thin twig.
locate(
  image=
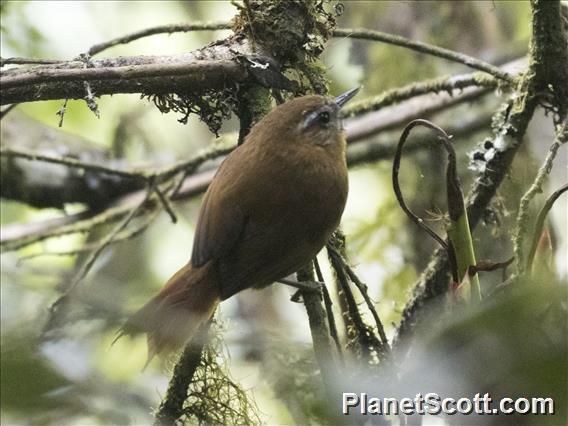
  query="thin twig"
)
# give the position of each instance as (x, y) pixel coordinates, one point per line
(69, 162)
(56, 308)
(329, 309)
(365, 337)
(363, 289)
(166, 204)
(159, 175)
(61, 112)
(425, 48)
(535, 188)
(177, 187)
(121, 236)
(29, 61)
(162, 29)
(539, 225)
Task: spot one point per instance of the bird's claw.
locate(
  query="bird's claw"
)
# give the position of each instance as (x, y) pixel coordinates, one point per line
(302, 286)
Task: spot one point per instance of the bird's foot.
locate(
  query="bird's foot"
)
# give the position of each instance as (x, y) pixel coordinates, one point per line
(311, 286)
(308, 286)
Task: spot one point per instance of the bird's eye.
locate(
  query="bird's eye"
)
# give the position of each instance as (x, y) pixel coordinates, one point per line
(317, 118)
(323, 117)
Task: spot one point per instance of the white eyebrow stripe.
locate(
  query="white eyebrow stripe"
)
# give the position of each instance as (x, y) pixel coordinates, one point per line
(309, 118)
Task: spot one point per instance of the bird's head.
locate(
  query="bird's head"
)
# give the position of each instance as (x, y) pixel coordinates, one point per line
(310, 119)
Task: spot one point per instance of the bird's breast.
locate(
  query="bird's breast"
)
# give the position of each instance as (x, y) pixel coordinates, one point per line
(308, 190)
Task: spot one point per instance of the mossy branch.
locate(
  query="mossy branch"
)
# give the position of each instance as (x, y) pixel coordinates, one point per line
(539, 224)
(171, 407)
(158, 175)
(201, 390)
(319, 328)
(125, 235)
(362, 339)
(108, 77)
(429, 49)
(447, 84)
(521, 233)
(363, 289)
(363, 34)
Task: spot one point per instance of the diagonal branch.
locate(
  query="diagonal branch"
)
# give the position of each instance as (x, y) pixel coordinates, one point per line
(55, 311)
(162, 29)
(535, 188)
(413, 104)
(539, 225)
(447, 84)
(425, 48)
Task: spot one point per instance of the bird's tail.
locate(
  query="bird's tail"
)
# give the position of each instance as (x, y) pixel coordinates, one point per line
(175, 314)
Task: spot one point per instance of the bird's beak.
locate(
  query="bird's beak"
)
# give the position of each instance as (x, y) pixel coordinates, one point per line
(345, 97)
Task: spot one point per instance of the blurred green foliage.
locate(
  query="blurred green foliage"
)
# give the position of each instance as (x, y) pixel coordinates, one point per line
(18, 33)
(22, 365)
(514, 345)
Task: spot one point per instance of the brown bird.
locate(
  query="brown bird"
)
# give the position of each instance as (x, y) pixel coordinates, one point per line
(269, 210)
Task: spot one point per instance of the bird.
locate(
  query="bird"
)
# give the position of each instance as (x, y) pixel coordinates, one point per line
(270, 208)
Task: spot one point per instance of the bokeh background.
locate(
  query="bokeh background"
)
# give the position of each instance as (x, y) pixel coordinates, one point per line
(75, 376)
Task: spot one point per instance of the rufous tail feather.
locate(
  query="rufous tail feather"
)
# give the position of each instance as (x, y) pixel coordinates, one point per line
(175, 314)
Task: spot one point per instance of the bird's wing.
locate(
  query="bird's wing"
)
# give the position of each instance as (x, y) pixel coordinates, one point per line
(261, 256)
(221, 219)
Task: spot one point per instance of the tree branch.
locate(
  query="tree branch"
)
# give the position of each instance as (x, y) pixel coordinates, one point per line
(535, 188)
(362, 34)
(166, 75)
(17, 235)
(383, 146)
(436, 85)
(171, 407)
(425, 48)
(31, 173)
(194, 70)
(418, 106)
(162, 29)
(539, 224)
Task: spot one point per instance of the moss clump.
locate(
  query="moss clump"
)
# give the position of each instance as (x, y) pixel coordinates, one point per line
(212, 107)
(213, 398)
(291, 31)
